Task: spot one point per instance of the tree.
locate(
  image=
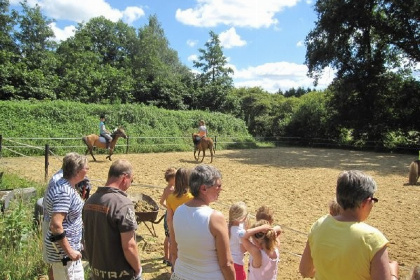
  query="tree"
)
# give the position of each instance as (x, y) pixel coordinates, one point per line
(96, 63)
(158, 71)
(35, 71)
(351, 37)
(8, 52)
(214, 77)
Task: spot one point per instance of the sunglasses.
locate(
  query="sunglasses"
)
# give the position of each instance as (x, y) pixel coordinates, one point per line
(374, 199)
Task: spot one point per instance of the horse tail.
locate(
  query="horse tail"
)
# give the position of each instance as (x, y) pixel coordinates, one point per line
(414, 173)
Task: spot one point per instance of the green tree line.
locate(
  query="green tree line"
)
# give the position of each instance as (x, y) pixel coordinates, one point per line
(371, 45)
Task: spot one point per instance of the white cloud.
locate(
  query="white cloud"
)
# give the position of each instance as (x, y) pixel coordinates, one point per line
(62, 34)
(82, 11)
(300, 44)
(192, 43)
(279, 75)
(230, 39)
(242, 13)
(131, 14)
(192, 57)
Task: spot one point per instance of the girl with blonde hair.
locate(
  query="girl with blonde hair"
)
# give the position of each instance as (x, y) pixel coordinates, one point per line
(238, 218)
(262, 241)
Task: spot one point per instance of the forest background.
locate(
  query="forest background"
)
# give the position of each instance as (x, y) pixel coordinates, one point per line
(373, 101)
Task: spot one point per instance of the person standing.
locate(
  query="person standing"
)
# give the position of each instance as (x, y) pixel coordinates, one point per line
(180, 195)
(110, 227)
(170, 180)
(63, 213)
(201, 233)
(103, 131)
(262, 241)
(344, 246)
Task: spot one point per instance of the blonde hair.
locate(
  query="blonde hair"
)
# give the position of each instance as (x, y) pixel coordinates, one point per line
(265, 213)
(170, 173)
(237, 212)
(334, 207)
(268, 240)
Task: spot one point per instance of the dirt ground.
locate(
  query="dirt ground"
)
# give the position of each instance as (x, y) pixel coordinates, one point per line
(297, 183)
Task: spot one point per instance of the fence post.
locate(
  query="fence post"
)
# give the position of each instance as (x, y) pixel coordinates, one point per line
(1, 140)
(47, 149)
(215, 142)
(126, 148)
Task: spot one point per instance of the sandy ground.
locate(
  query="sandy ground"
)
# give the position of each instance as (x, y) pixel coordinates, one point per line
(297, 183)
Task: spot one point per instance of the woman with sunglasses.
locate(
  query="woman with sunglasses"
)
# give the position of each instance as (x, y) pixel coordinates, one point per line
(343, 246)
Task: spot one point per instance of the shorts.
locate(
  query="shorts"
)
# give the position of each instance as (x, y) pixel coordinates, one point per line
(239, 272)
(72, 271)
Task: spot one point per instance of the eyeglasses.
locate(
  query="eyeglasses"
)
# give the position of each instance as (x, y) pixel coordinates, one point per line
(374, 199)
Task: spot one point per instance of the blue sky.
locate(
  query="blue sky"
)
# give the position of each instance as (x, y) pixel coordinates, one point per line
(262, 40)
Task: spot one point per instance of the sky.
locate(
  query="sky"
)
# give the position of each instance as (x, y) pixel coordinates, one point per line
(263, 40)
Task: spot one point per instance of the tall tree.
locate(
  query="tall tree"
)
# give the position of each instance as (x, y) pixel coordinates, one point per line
(8, 52)
(96, 62)
(215, 75)
(349, 36)
(159, 73)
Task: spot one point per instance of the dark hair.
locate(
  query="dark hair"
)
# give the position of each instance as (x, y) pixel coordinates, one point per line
(102, 116)
(182, 176)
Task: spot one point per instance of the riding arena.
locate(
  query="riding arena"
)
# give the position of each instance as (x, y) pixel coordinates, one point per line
(297, 183)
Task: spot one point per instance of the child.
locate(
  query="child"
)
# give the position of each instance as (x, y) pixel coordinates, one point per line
(202, 132)
(334, 208)
(103, 131)
(238, 215)
(170, 179)
(265, 213)
(263, 249)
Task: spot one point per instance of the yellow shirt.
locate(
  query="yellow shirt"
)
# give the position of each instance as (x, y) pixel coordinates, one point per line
(343, 250)
(173, 202)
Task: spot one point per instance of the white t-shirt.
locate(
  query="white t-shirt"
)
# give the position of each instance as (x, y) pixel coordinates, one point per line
(235, 244)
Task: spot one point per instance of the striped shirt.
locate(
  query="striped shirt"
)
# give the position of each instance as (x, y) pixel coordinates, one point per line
(63, 198)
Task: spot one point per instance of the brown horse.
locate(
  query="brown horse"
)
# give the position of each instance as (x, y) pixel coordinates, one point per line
(414, 174)
(204, 144)
(92, 141)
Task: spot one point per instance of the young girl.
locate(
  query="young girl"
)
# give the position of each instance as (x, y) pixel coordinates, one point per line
(238, 215)
(263, 249)
(170, 179)
(180, 195)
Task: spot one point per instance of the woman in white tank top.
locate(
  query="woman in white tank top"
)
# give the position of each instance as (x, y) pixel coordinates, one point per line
(201, 233)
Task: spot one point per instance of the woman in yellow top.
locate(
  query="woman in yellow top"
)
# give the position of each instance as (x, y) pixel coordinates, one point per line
(343, 246)
(180, 195)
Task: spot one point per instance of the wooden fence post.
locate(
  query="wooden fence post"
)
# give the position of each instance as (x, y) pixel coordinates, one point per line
(215, 142)
(1, 140)
(126, 148)
(47, 149)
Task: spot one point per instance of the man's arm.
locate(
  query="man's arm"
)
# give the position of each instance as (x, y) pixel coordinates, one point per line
(131, 254)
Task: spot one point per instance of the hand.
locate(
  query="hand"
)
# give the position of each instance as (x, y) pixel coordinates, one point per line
(75, 255)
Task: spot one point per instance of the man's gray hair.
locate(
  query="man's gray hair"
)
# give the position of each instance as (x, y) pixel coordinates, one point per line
(353, 187)
(203, 175)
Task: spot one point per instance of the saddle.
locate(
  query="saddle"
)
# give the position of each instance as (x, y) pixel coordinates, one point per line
(102, 139)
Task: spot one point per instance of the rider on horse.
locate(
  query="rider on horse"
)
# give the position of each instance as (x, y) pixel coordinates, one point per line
(202, 132)
(104, 132)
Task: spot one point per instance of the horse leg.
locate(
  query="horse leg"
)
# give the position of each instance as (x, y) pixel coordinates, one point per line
(195, 150)
(110, 154)
(204, 154)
